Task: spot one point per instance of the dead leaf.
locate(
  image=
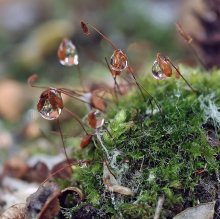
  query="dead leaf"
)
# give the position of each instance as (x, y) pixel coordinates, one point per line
(70, 197)
(44, 203)
(14, 212)
(203, 211)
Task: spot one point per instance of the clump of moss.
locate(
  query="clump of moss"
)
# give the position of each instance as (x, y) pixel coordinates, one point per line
(155, 153)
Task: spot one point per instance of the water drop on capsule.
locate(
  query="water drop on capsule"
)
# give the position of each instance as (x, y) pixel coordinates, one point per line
(67, 53)
(118, 61)
(157, 71)
(50, 104)
(95, 119)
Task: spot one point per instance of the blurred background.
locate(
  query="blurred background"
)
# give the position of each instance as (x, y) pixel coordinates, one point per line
(30, 33)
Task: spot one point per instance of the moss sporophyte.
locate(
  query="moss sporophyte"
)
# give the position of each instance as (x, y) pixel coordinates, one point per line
(141, 148)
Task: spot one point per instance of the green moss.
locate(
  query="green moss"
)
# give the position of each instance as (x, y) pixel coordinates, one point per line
(162, 150)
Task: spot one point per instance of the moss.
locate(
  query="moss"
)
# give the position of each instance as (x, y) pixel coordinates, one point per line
(155, 153)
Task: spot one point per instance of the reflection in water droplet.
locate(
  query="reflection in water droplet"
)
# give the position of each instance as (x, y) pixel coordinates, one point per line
(67, 53)
(50, 104)
(95, 119)
(119, 61)
(157, 72)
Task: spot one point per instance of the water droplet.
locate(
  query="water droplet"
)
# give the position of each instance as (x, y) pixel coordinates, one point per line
(119, 61)
(157, 71)
(67, 53)
(50, 104)
(95, 119)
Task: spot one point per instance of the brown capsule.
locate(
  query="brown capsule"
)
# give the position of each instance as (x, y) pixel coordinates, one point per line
(85, 141)
(67, 53)
(95, 119)
(85, 28)
(164, 65)
(119, 61)
(50, 104)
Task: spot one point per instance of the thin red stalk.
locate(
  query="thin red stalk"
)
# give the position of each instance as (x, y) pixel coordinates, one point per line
(77, 119)
(104, 37)
(64, 148)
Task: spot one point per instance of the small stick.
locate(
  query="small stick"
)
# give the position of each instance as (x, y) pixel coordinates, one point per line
(159, 207)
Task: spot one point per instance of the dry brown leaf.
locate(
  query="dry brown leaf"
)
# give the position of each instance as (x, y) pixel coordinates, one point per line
(14, 212)
(44, 203)
(73, 193)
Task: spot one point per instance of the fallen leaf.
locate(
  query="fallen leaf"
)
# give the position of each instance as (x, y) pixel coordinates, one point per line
(44, 203)
(74, 193)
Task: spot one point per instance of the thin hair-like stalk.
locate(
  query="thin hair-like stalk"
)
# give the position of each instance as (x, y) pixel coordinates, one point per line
(77, 119)
(63, 144)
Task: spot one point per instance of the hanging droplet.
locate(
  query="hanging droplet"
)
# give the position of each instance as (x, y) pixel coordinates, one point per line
(164, 65)
(119, 61)
(50, 104)
(67, 53)
(95, 119)
(157, 71)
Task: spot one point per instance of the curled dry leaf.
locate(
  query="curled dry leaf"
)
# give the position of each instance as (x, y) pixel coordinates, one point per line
(203, 211)
(43, 203)
(112, 184)
(14, 212)
(71, 197)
